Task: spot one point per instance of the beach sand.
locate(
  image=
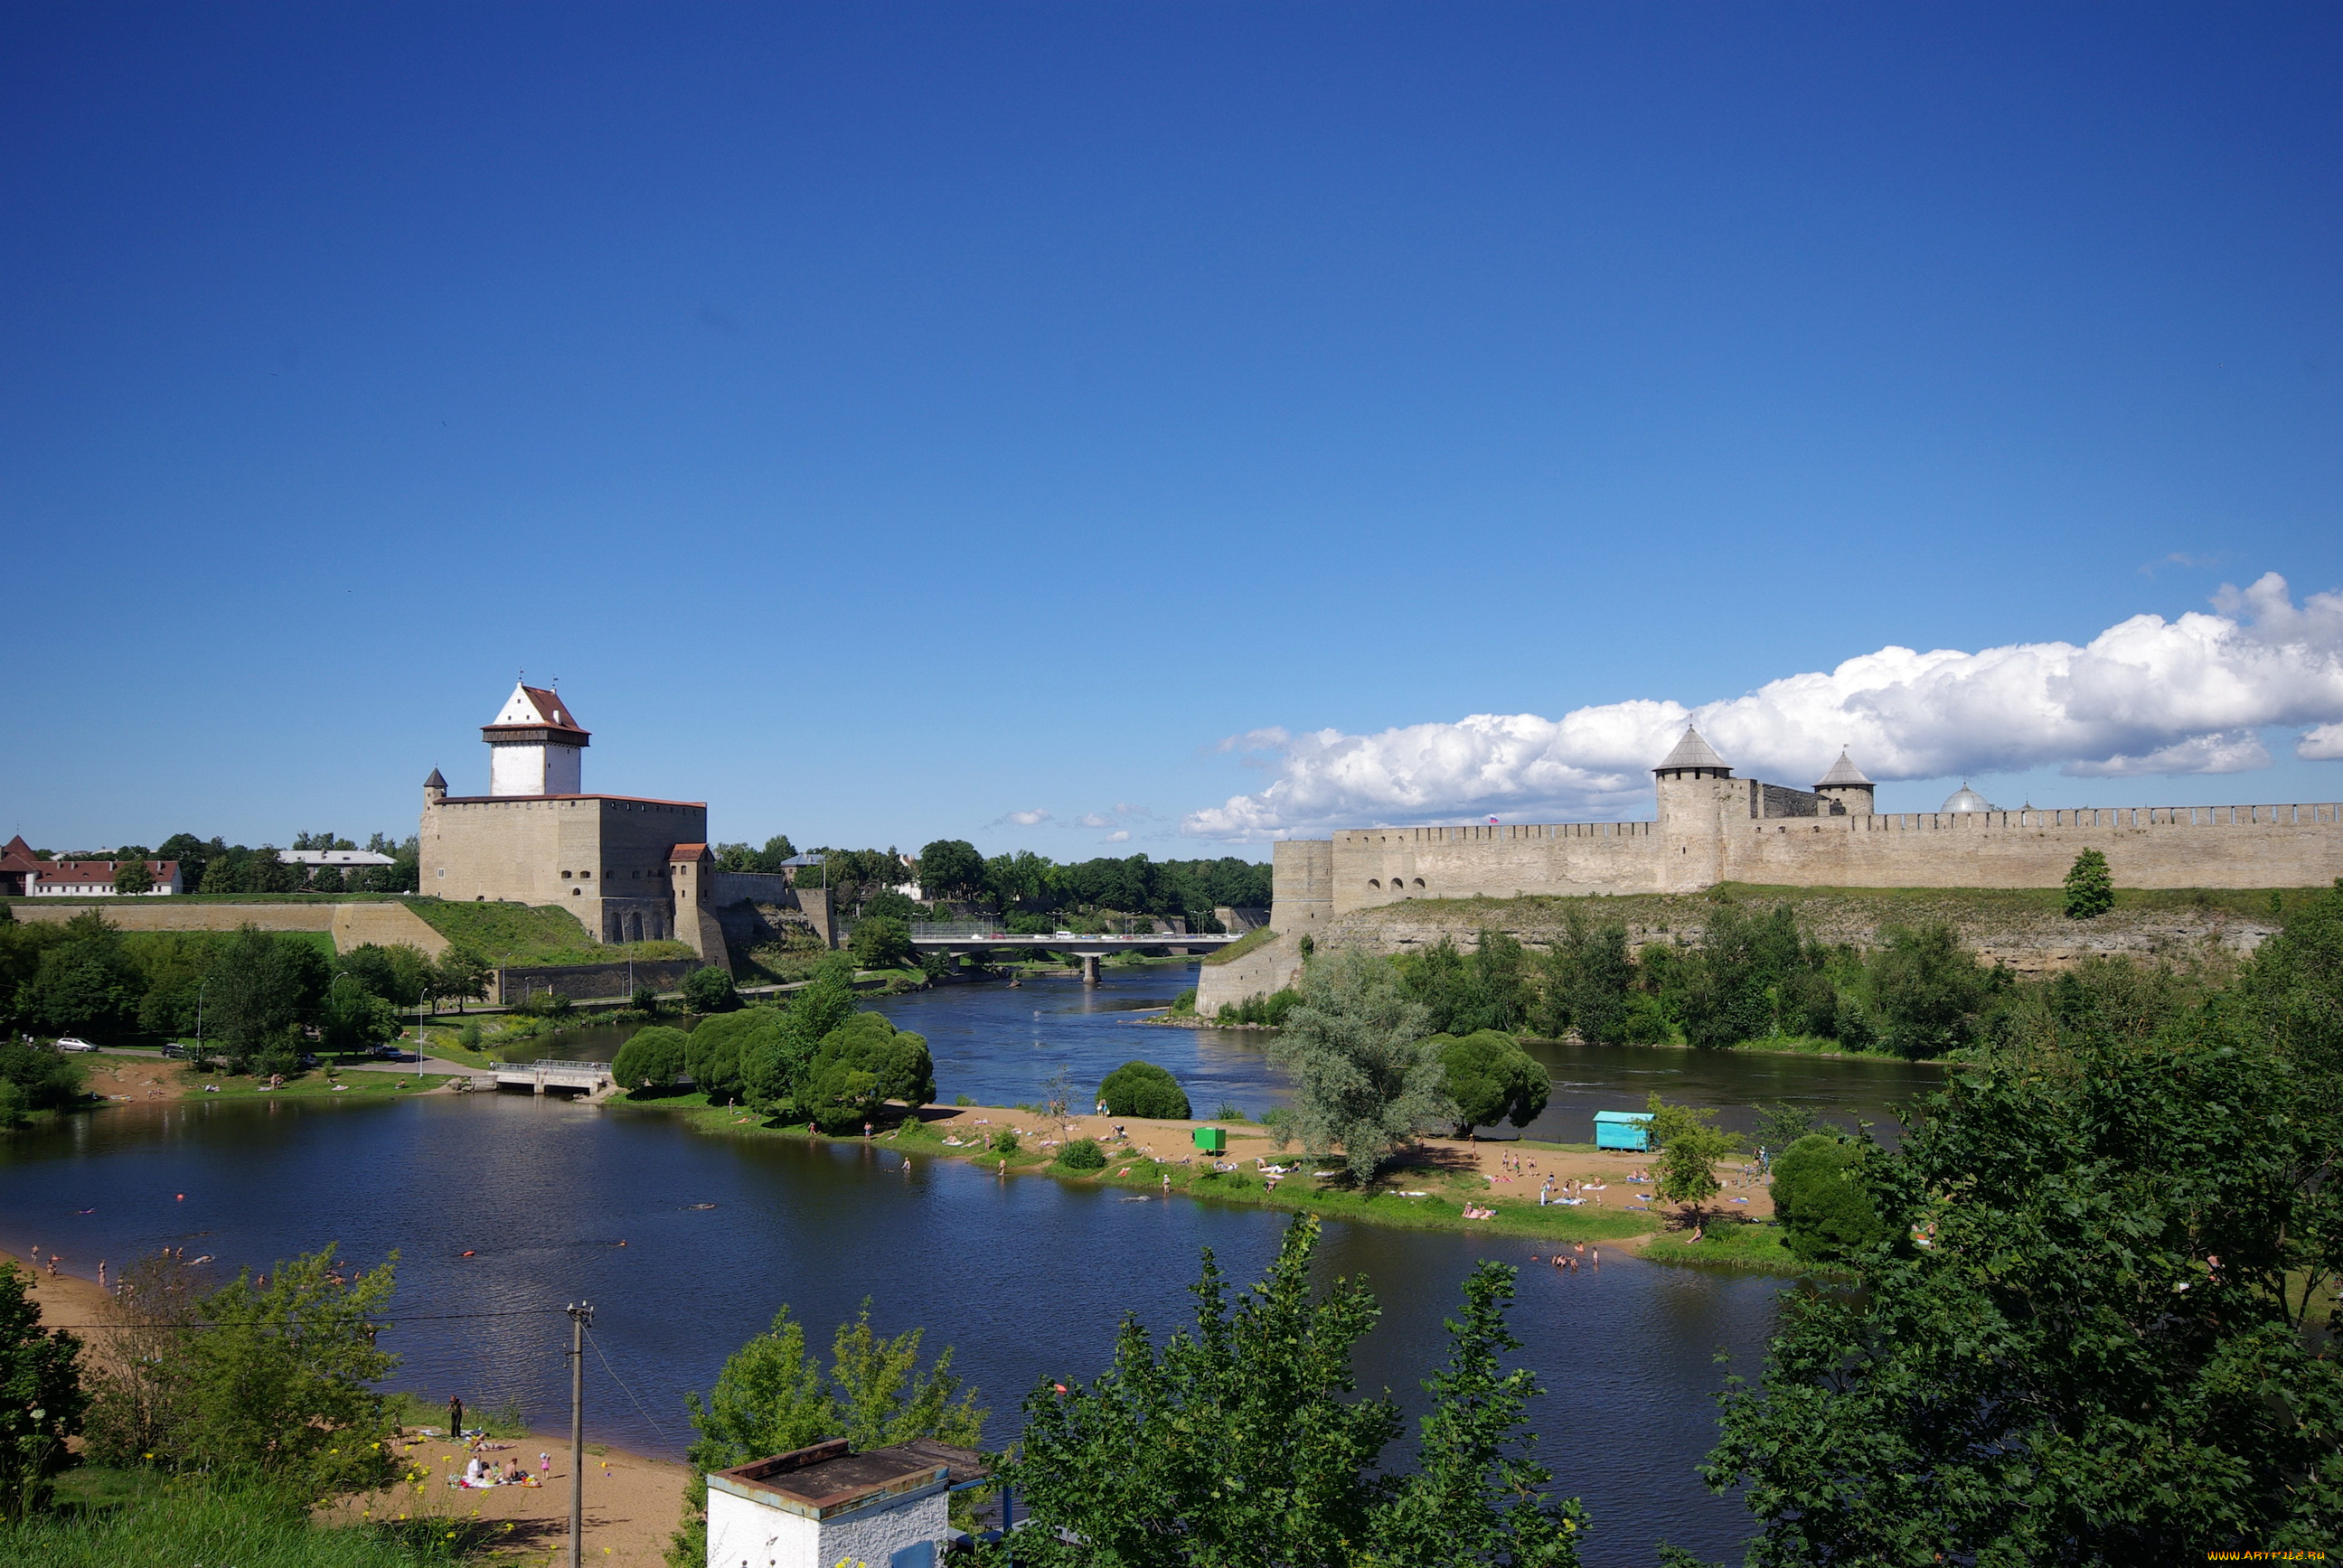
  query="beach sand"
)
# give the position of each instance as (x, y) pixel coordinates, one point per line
(1513, 1173)
(632, 1503)
(67, 1301)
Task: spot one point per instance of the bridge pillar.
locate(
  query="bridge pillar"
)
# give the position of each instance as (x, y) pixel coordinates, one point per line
(537, 1084)
(1090, 969)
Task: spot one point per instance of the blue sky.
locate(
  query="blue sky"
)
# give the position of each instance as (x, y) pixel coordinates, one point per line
(887, 421)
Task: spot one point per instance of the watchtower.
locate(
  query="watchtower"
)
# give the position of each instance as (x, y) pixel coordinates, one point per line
(1846, 785)
(535, 745)
(1697, 794)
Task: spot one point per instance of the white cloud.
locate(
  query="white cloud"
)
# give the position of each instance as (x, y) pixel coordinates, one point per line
(1120, 836)
(1019, 819)
(2145, 696)
(1093, 819)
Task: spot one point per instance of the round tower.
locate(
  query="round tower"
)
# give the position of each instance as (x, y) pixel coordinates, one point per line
(1697, 793)
(1845, 787)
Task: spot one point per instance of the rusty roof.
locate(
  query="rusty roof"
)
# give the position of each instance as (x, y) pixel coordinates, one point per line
(552, 713)
(830, 1478)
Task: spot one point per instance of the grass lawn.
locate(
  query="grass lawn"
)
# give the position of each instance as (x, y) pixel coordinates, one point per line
(511, 933)
(1731, 1243)
(310, 1085)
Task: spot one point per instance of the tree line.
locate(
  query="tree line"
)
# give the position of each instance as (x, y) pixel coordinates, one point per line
(216, 866)
(255, 997)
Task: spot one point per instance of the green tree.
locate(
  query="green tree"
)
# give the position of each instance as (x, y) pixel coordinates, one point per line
(2292, 990)
(882, 942)
(39, 1077)
(771, 1397)
(459, 973)
(1082, 1154)
(721, 1044)
(2091, 1338)
(773, 1069)
(1930, 993)
(1490, 1079)
(1820, 1200)
(1240, 1441)
(353, 1018)
(1723, 998)
(86, 983)
(276, 1383)
(1690, 1143)
(261, 989)
(951, 868)
(1143, 1089)
(1477, 1495)
(132, 877)
(41, 1399)
(860, 1065)
(710, 990)
(1464, 993)
(653, 1058)
(2090, 887)
(1366, 1076)
(1589, 980)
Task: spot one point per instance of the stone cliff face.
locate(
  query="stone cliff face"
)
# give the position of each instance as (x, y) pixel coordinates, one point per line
(2025, 930)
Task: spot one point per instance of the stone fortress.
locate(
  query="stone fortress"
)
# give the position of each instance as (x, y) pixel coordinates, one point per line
(631, 868)
(1713, 827)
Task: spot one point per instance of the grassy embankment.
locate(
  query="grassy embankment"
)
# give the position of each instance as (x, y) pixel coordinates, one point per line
(1446, 1187)
(517, 934)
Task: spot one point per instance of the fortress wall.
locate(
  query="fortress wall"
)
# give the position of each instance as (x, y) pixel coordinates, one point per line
(2176, 847)
(495, 849)
(2284, 845)
(1373, 866)
(752, 887)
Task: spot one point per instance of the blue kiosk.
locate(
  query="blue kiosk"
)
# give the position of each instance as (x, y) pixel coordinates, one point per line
(1622, 1129)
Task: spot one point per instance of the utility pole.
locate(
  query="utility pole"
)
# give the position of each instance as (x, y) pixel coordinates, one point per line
(581, 1314)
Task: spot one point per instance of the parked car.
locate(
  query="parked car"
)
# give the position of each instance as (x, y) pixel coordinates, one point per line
(70, 1043)
(307, 1060)
(173, 1050)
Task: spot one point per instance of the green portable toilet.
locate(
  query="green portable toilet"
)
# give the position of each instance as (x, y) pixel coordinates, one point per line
(1212, 1140)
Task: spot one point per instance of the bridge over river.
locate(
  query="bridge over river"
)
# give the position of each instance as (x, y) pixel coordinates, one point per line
(984, 937)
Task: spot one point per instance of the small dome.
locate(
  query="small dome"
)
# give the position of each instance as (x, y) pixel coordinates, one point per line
(1967, 800)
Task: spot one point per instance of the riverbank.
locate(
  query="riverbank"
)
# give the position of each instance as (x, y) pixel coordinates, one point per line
(1430, 1187)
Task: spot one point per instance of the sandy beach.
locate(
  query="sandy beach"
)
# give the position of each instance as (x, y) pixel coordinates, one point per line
(632, 1503)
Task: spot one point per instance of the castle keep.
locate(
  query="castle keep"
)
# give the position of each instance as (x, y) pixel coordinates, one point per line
(631, 868)
(1713, 827)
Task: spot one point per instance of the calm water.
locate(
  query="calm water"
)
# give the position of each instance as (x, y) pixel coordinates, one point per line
(1026, 1278)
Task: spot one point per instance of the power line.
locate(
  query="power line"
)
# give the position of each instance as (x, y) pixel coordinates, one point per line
(615, 1378)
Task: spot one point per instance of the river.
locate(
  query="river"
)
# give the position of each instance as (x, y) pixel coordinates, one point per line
(1026, 1279)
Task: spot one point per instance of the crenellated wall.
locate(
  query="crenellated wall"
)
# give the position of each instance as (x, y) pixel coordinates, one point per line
(1711, 831)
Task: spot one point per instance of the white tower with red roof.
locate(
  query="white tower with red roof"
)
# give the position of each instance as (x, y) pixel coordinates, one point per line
(536, 746)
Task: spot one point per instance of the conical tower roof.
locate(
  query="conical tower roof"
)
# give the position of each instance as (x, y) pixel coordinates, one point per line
(434, 782)
(1842, 771)
(1691, 752)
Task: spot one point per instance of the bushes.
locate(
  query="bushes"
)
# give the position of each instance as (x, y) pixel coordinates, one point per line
(1466, 993)
(1082, 1154)
(1143, 1089)
(860, 1065)
(710, 990)
(720, 1045)
(1269, 1012)
(652, 1058)
(1820, 1200)
(882, 942)
(1491, 1078)
(1928, 991)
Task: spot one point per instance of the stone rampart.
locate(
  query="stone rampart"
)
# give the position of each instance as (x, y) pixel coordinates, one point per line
(352, 925)
(589, 982)
(1706, 841)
